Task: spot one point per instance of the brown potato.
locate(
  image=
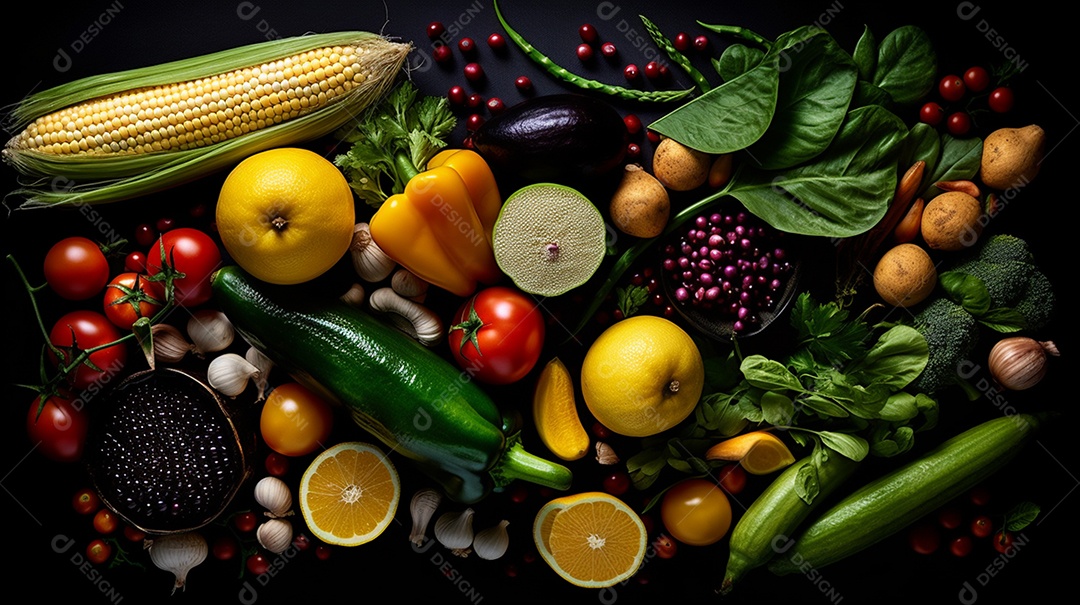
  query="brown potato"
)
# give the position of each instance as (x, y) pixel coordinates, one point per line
(1011, 156)
(680, 168)
(641, 205)
(952, 221)
(905, 275)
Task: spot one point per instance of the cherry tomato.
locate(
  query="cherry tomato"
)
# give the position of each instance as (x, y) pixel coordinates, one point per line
(245, 521)
(301, 542)
(616, 483)
(277, 464)
(165, 223)
(135, 262)
(931, 114)
(86, 501)
(76, 268)
(961, 546)
(105, 521)
(295, 421)
(1003, 541)
(733, 478)
(696, 512)
(145, 234)
(976, 79)
(980, 496)
(924, 538)
(951, 88)
(322, 552)
(982, 526)
(258, 564)
(130, 296)
(664, 546)
(950, 518)
(958, 124)
(224, 547)
(85, 330)
(1001, 99)
(60, 431)
(191, 252)
(98, 551)
(497, 335)
(134, 534)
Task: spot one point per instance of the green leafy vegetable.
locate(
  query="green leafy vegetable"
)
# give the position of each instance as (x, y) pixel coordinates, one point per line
(630, 299)
(906, 65)
(1021, 516)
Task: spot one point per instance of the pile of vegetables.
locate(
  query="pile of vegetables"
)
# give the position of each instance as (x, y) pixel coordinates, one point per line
(471, 254)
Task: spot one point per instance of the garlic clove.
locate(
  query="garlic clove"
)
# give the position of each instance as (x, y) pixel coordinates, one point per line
(454, 530)
(605, 454)
(409, 285)
(491, 543)
(210, 331)
(170, 346)
(354, 296)
(421, 509)
(368, 259)
(414, 319)
(264, 364)
(178, 554)
(273, 494)
(275, 535)
(229, 374)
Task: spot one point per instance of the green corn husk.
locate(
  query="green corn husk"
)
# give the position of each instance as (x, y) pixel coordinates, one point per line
(57, 180)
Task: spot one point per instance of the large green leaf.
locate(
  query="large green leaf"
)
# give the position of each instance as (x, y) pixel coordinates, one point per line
(906, 65)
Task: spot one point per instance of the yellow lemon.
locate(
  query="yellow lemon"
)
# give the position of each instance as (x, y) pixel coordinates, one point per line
(286, 215)
(642, 376)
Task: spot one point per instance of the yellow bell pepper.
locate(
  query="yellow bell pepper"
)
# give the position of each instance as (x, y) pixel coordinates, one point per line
(440, 227)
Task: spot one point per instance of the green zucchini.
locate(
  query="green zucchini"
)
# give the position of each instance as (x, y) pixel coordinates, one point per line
(778, 511)
(414, 401)
(893, 501)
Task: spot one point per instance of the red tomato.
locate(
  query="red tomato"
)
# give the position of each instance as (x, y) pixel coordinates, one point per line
(76, 269)
(664, 546)
(225, 547)
(133, 534)
(86, 501)
(105, 521)
(976, 79)
(1003, 542)
(1001, 99)
(498, 335)
(191, 252)
(130, 296)
(924, 538)
(60, 430)
(85, 330)
(733, 478)
(98, 551)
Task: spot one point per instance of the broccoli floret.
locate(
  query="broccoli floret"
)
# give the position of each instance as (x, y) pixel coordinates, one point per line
(951, 333)
(1003, 248)
(1005, 280)
(1037, 303)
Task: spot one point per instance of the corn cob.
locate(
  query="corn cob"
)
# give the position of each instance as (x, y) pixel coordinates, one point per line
(126, 134)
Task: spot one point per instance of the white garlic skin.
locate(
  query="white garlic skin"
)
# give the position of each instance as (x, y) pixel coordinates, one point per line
(275, 535)
(421, 509)
(273, 494)
(491, 543)
(178, 554)
(229, 374)
(454, 530)
(210, 331)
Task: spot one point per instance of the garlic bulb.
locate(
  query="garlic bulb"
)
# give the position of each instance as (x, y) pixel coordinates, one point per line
(421, 508)
(604, 454)
(179, 553)
(409, 285)
(275, 535)
(210, 331)
(170, 345)
(264, 364)
(455, 530)
(354, 296)
(272, 494)
(230, 373)
(414, 319)
(491, 543)
(369, 260)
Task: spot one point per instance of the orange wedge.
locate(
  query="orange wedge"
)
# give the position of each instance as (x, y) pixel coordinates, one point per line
(591, 539)
(349, 494)
(759, 452)
(555, 413)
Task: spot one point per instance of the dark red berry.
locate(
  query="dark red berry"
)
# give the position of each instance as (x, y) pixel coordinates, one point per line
(442, 54)
(701, 44)
(474, 101)
(497, 42)
(616, 483)
(931, 114)
(584, 52)
(322, 552)
(950, 518)
(609, 50)
(165, 223)
(473, 72)
(1001, 100)
(135, 262)
(601, 431)
(467, 46)
(924, 538)
(301, 542)
(258, 564)
(980, 496)
(652, 70)
(633, 123)
(958, 124)
(631, 72)
(588, 33)
(435, 29)
(474, 122)
(633, 151)
(495, 105)
(523, 83)
(653, 136)
(961, 546)
(145, 235)
(457, 95)
(682, 42)
(277, 464)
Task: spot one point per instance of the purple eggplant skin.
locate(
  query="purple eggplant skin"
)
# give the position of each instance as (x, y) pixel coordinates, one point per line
(562, 138)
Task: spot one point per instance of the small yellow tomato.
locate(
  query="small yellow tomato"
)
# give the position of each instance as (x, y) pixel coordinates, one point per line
(696, 512)
(295, 421)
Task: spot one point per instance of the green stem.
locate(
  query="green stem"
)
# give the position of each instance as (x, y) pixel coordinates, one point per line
(406, 170)
(33, 304)
(741, 32)
(680, 59)
(516, 463)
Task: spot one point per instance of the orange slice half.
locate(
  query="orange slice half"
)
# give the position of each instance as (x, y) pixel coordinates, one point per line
(349, 494)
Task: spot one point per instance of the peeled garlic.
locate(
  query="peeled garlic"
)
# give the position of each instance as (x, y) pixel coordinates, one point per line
(170, 345)
(264, 364)
(230, 373)
(491, 543)
(179, 553)
(272, 494)
(354, 296)
(210, 331)
(275, 535)
(454, 530)
(421, 508)
(409, 285)
(414, 319)
(369, 260)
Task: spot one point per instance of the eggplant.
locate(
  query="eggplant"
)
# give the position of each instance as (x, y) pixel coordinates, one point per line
(563, 138)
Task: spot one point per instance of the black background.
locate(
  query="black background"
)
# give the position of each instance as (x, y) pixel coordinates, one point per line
(36, 493)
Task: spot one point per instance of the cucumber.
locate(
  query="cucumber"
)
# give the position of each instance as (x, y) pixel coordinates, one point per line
(414, 401)
(777, 513)
(893, 501)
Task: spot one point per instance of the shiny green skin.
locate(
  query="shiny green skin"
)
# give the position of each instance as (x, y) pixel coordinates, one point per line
(418, 404)
(893, 501)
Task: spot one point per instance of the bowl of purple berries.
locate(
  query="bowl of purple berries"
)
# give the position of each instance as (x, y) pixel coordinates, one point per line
(729, 274)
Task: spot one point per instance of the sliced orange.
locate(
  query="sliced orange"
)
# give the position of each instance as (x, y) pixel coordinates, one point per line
(759, 452)
(555, 413)
(349, 494)
(591, 539)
